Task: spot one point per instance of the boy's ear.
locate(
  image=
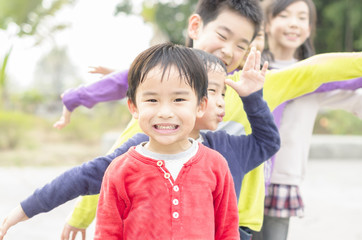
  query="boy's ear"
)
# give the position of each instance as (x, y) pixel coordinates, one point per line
(195, 24)
(132, 109)
(201, 109)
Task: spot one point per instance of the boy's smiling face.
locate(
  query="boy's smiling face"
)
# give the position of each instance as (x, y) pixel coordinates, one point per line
(166, 110)
(227, 37)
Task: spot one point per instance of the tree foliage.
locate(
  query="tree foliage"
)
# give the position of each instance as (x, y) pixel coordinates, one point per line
(170, 16)
(338, 26)
(27, 15)
(53, 71)
(25, 18)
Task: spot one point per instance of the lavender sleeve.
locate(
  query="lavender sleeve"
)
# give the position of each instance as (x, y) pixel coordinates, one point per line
(85, 179)
(112, 87)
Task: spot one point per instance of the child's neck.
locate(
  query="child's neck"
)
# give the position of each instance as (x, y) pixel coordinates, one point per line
(282, 53)
(162, 148)
(195, 134)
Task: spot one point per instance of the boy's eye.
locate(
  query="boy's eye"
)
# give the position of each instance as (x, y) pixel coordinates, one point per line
(179, 100)
(282, 15)
(241, 47)
(221, 36)
(151, 100)
(211, 90)
(223, 95)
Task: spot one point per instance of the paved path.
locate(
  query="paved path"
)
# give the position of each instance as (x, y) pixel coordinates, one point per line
(15, 185)
(332, 192)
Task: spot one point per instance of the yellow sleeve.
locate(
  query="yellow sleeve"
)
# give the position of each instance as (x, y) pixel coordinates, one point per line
(85, 210)
(307, 75)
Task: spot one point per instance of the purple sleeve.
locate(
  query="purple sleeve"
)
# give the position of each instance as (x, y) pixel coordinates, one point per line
(112, 87)
(85, 179)
(351, 84)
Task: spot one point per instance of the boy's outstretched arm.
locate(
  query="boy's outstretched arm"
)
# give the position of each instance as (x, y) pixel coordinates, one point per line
(85, 179)
(306, 76)
(15, 216)
(81, 180)
(112, 87)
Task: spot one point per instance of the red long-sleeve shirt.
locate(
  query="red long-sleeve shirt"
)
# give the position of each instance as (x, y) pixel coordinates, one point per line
(140, 200)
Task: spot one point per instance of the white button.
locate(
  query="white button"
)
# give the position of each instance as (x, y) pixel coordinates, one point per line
(175, 188)
(175, 215)
(167, 175)
(159, 163)
(175, 202)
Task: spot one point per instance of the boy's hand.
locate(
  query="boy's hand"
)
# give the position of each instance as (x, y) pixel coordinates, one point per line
(16, 215)
(64, 119)
(252, 77)
(69, 230)
(101, 70)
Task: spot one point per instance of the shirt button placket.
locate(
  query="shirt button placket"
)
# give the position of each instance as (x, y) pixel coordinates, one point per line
(175, 198)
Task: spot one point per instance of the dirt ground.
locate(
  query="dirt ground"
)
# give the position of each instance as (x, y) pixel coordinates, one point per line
(332, 194)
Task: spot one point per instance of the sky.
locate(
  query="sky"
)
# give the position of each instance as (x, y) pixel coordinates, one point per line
(96, 37)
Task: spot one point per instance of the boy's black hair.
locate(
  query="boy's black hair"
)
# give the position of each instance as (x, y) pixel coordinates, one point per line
(209, 10)
(272, 8)
(166, 55)
(210, 61)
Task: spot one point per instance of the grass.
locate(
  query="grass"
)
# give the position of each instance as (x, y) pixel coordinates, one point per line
(50, 153)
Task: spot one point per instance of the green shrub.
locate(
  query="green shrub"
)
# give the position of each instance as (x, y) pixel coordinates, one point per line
(338, 122)
(90, 124)
(13, 128)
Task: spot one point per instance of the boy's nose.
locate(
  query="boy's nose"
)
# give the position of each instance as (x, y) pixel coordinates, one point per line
(165, 111)
(227, 51)
(220, 102)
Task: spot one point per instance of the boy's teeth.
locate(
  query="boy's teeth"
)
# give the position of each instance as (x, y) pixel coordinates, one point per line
(168, 127)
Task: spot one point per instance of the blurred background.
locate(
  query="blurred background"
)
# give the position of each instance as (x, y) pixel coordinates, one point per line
(48, 46)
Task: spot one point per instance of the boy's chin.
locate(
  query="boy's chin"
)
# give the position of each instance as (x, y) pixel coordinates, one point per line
(231, 69)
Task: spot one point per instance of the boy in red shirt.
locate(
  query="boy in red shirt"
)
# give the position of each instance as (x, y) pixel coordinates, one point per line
(170, 187)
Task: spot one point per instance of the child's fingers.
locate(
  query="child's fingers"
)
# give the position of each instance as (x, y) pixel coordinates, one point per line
(265, 68)
(65, 234)
(250, 60)
(229, 82)
(234, 85)
(257, 60)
